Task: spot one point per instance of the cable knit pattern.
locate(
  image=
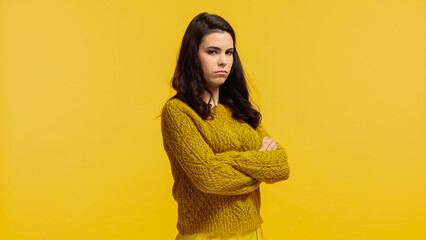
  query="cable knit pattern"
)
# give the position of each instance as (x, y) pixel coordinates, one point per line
(217, 168)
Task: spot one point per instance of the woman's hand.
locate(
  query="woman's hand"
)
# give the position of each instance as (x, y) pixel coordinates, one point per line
(268, 144)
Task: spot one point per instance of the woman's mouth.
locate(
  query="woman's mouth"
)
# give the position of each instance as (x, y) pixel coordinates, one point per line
(221, 72)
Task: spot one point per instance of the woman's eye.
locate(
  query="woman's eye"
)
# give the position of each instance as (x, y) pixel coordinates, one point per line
(230, 52)
(211, 52)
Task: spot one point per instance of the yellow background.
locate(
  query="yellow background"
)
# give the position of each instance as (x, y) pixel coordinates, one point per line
(341, 85)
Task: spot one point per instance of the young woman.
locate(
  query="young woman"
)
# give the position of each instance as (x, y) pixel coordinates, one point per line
(217, 146)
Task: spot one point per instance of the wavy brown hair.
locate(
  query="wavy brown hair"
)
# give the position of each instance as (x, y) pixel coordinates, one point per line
(188, 80)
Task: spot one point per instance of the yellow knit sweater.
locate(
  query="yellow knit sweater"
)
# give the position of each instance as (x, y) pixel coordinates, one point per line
(217, 168)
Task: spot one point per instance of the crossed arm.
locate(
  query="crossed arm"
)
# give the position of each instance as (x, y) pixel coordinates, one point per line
(227, 173)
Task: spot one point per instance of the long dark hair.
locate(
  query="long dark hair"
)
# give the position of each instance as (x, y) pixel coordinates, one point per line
(188, 78)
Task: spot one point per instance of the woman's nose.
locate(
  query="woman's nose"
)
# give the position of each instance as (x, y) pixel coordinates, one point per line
(222, 60)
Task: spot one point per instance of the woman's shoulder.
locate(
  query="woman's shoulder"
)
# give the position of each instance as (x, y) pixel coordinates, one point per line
(175, 106)
(174, 103)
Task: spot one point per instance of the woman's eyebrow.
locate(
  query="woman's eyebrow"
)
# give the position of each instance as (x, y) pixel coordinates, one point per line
(216, 48)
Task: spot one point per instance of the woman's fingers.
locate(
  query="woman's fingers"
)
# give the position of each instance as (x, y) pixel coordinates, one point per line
(271, 145)
(268, 144)
(264, 146)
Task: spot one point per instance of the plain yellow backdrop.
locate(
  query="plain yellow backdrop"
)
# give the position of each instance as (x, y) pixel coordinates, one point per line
(341, 85)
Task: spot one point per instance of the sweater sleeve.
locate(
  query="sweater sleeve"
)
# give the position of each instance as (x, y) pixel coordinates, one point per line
(267, 166)
(184, 144)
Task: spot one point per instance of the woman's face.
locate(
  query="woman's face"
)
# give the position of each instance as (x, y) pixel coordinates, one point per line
(216, 57)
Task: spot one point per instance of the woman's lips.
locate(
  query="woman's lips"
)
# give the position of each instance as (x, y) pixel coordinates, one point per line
(221, 72)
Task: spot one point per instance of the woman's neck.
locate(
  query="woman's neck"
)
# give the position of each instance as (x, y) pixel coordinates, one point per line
(215, 100)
